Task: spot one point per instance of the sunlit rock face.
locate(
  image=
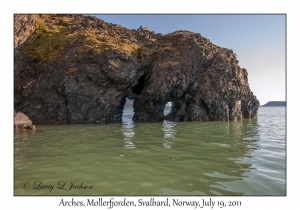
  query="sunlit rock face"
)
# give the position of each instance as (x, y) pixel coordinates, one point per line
(23, 28)
(78, 69)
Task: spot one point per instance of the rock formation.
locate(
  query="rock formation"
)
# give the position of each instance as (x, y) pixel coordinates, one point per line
(77, 69)
(23, 27)
(23, 122)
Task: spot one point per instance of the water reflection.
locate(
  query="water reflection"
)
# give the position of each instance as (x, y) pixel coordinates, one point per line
(213, 158)
(128, 128)
(128, 133)
(221, 154)
(169, 129)
(169, 132)
(242, 139)
(168, 144)
(164, 158)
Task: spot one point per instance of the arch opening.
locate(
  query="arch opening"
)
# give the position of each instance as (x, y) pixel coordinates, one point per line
(167, 108)
(127, 111)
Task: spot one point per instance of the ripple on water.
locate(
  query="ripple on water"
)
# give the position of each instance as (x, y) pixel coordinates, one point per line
(165, 158)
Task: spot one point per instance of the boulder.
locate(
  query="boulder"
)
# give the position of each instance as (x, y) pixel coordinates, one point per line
(23, 122)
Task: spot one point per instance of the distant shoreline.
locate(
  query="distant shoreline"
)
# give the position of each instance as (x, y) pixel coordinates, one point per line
(275, 103)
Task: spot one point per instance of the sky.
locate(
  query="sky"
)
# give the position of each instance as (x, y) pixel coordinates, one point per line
(258, 40)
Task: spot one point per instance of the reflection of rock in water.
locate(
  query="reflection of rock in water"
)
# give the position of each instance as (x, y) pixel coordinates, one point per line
(128, 127)
(222, 161)
(169, 129)
(169, 132)
(168, 144)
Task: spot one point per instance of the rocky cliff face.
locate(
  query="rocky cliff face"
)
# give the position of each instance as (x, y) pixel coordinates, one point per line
(23, 27)
(77, 69)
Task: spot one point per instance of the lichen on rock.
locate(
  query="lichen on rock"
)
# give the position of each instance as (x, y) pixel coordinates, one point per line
(78, 69)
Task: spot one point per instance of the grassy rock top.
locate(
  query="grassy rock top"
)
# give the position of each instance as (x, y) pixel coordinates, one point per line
(55, 34)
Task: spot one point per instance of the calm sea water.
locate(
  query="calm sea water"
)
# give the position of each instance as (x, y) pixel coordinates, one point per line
(164, 158)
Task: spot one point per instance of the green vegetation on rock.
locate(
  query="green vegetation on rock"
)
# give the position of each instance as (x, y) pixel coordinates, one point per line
(53, 35)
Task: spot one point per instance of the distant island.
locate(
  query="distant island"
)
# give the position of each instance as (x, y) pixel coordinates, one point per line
(275, 103)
